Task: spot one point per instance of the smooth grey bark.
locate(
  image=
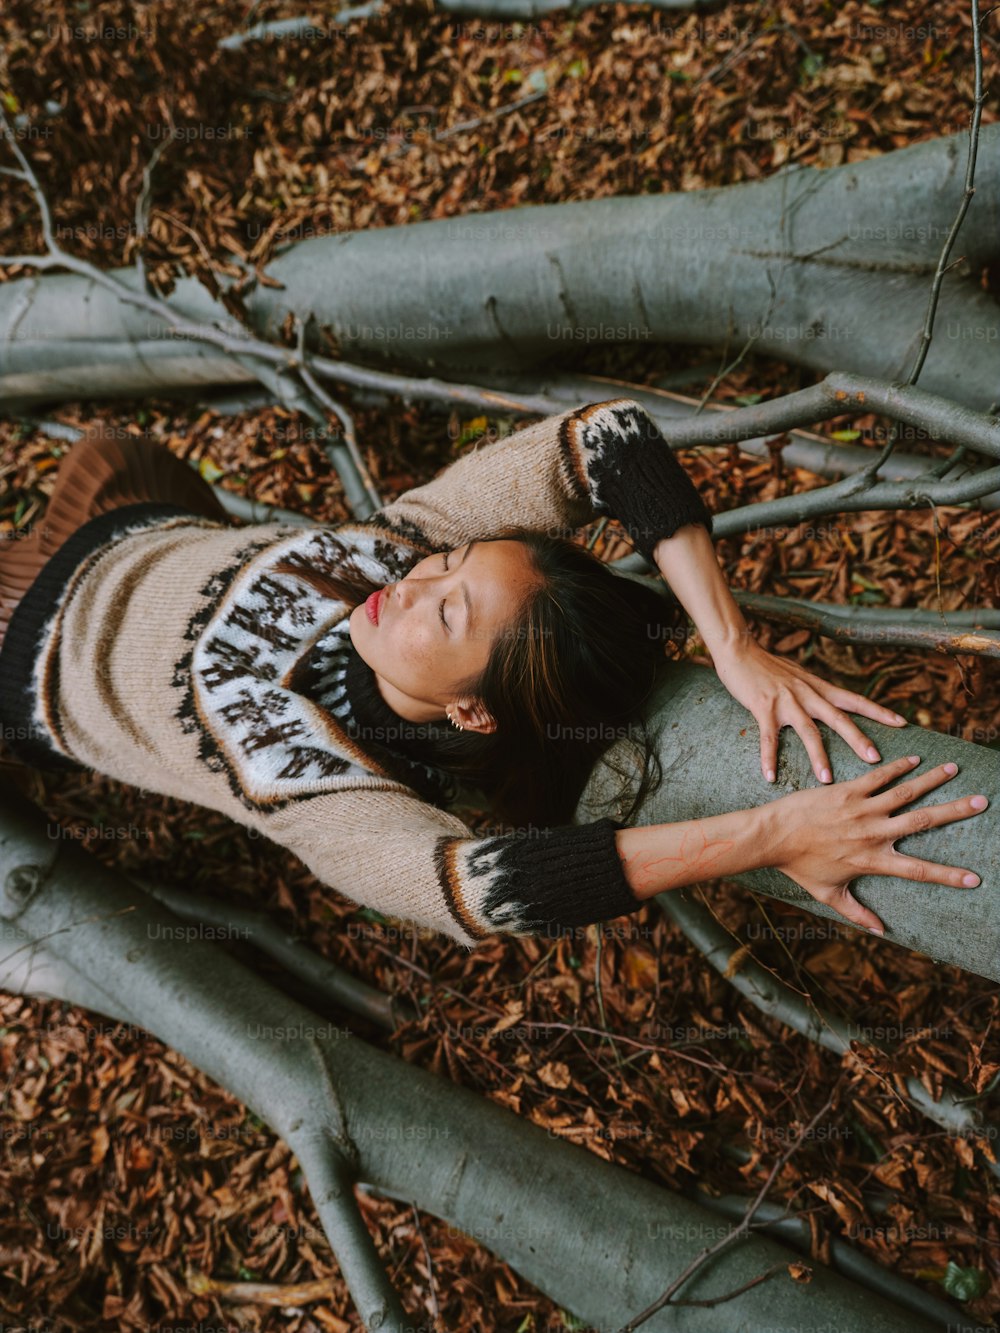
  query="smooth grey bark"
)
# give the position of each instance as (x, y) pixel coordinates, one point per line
(850, 267)
(826, 268)
(597, 1239)
(326, 982)
(692, 707)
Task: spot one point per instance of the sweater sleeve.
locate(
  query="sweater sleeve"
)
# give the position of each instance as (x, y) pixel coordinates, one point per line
(605, 459)
(415, 862)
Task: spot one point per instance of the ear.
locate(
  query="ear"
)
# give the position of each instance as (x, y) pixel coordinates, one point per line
(473, 715)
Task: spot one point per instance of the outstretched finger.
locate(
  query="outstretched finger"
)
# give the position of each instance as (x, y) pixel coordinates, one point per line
(911, 789)
(857, 703)
(927, 872)
(933, 816)
(839, 722)
(885, 773)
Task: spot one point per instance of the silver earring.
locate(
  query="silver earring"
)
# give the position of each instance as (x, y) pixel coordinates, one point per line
(454, 723)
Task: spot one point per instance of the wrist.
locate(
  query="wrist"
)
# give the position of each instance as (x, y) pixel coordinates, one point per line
(728, 639)
(775, 828)
(659, 857)
(689, 564)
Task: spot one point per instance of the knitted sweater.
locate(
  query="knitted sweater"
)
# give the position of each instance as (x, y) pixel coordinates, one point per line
(164, 650)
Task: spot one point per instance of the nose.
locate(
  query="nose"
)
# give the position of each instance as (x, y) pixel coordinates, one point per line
(404, 593)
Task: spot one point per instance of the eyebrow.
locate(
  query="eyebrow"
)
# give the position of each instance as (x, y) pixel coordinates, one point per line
(465, 590)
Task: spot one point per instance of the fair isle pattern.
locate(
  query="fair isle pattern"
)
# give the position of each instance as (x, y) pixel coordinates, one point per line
(46, 675)
(273, 743)
(598, 441)
(450, 880)
(328, 659)
(487, 870)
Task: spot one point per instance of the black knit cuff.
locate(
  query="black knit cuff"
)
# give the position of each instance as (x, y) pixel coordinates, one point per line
(633, 474)
(567, 876)
(650, 493)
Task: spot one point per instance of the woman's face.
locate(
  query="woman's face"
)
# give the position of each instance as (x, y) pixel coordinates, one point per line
(437, 626)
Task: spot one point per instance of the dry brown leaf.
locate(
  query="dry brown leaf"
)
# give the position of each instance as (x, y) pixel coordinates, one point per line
(555, 1074)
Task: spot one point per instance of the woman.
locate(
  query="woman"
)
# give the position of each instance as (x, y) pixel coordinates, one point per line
(329, 687)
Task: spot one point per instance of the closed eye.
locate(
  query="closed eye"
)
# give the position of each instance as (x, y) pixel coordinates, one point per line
(444, 557)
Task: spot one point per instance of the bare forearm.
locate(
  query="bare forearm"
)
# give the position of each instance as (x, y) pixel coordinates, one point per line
(657, 857)
(688, 562)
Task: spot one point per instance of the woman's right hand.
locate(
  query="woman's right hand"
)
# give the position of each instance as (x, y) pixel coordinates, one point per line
(827, 836)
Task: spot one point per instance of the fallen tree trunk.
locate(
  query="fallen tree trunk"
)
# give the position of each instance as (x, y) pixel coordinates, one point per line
(813, 266)
(691, 706)
(596, 1238)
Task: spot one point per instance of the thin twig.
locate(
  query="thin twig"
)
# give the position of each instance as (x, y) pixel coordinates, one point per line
(465, 126)
(339, 411)
(726, 371)
(435, 1307)
(142, 207)
(943, 265)
(244, 347)
(599, 992)
(261, 1293)
(773, 1271)
(737, 1233)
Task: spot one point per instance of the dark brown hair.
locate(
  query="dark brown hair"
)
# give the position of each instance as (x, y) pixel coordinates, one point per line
(564, 680)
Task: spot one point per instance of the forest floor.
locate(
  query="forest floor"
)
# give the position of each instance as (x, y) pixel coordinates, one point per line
(121, 1166)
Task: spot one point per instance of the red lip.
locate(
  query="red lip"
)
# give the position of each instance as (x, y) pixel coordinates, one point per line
(374, 604)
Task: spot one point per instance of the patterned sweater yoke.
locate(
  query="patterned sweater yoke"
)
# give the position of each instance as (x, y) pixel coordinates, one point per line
(168, 651)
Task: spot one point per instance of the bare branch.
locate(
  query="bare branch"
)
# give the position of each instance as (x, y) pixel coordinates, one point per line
(843, 395)
(953, 1110)
(331, 1184)
(247, 349)
(338, 410)
(709, 1301)
(324, 979)
(142, 206)
(738, 1232)
(28, 174)
(849, 496)
(963, 207)
(948, 632)
(259, 1293)
(797, 1231)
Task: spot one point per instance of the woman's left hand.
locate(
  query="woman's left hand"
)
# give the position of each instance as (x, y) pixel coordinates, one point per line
(780, 693)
